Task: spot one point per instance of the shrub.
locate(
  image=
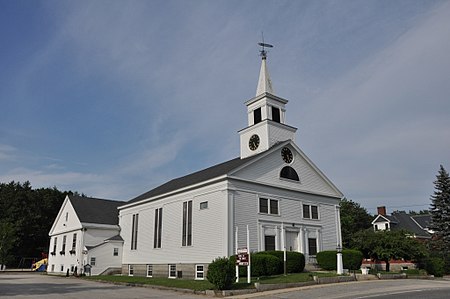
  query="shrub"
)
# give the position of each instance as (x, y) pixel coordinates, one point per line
(327, 259)
(295, 261)
(265, 265)
(221, 273)
(352, 259)
(435, 266)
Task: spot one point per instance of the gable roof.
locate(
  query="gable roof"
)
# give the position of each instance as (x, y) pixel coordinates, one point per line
(403, 221)
(194, 178)
(96, 210)
(422, 220)
(407, 223)
(216, 171)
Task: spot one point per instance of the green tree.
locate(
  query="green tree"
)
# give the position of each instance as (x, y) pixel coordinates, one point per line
(7, 240)
(388, 245)
(354, 218)
(440, 216)
(31, 213)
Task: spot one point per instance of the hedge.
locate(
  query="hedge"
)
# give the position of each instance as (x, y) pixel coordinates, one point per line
(221, 273)
(352, 259)
(295, 261)
(267, 263)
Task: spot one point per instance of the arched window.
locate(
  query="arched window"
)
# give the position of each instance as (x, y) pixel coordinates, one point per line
(289, 173)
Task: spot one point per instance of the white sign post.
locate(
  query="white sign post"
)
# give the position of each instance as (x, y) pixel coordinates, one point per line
(243, 257)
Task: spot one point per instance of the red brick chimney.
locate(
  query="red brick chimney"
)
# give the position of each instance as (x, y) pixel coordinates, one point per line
(382, 210)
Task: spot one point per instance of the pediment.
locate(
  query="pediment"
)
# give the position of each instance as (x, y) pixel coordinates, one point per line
(267, 167)
(66, 220)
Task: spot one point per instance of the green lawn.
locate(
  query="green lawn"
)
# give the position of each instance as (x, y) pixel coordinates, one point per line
(197, 285)
(294, 277)
(201, 285)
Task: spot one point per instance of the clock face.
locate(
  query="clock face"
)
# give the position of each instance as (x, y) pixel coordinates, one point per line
(253, 143)
(287, 155)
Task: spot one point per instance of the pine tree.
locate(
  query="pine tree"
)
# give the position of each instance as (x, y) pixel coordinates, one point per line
(440, 213)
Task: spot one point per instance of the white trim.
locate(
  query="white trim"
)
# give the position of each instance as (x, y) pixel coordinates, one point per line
(170, 270)
(197, 272)
(130, 270)
(149, 266)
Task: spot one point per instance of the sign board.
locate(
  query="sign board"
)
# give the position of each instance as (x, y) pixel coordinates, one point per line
(242, 257)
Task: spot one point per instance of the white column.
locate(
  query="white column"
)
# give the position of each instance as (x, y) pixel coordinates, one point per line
(236, 248)
(249, 271)
(299, 240)
(339, 262)
(262, 242)
(277, 239)
(283, 241)
(318, 240)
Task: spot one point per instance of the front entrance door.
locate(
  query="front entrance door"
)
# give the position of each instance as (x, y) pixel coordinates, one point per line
(291, 241)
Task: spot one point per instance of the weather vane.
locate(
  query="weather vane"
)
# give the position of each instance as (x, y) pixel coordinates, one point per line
(263, 52)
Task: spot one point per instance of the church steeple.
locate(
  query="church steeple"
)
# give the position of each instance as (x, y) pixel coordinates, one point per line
(266, 115)
(264, 82)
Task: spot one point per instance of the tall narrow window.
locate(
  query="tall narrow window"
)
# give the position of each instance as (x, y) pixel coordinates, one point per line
(63, 249)
(257, 116)
(74, 242)
(134, 231)
(187, 223)
(276, 114)
(158, 228)
(55, 241)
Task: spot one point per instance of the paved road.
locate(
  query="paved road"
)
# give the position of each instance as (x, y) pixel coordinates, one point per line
(379, 289)
(30, 286)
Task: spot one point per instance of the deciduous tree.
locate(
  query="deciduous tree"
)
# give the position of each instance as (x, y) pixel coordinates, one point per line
(388, 245)
(354, 218)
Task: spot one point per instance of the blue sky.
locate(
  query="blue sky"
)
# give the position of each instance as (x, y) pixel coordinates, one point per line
(112, 98)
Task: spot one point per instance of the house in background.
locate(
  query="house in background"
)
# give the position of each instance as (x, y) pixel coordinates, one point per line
(85, 231)
(417, 225)
(175, 230)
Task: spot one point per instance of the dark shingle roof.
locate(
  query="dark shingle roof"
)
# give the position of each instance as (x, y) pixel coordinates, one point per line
(115, 238)
(95, 210)
(405, 222)
(423, 220)
(194, 178)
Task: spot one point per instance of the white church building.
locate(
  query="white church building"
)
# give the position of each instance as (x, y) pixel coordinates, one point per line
(273, 188)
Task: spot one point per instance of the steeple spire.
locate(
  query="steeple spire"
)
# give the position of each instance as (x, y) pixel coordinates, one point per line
(264, 82)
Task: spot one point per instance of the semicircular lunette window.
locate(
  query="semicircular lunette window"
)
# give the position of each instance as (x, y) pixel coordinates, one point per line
(289, 173)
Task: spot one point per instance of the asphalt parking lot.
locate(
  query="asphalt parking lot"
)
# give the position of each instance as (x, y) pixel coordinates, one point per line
(34, 285)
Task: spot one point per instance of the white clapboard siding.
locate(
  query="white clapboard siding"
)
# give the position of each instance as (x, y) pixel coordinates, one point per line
(290, 212)
(104, 257)
(209, 228)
